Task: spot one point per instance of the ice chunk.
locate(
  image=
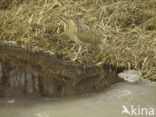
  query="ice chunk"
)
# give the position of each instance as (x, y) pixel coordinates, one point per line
(130, 75)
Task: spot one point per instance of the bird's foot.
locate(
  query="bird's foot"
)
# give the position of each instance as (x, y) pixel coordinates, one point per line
(99, 64)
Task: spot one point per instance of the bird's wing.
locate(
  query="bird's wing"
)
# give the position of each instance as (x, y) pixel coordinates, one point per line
(86, 34)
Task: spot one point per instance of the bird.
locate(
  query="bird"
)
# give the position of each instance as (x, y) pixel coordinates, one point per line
(80, 33)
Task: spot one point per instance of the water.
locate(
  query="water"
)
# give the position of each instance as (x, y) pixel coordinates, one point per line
(107, 103)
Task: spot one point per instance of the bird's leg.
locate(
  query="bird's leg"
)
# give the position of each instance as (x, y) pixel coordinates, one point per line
(80, 47)
(73, 46)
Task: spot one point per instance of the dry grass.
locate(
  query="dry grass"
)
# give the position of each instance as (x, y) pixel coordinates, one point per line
(127, 28)
(6, 4)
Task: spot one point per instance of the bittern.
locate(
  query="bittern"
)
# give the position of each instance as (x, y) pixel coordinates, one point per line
(79, 32)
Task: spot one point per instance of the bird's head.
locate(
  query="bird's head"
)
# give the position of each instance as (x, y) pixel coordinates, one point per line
(64, 19)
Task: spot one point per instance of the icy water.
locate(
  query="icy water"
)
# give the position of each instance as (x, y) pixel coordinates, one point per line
(108, 103)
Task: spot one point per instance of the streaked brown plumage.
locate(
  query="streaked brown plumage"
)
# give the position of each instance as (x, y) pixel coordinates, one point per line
(79, 32)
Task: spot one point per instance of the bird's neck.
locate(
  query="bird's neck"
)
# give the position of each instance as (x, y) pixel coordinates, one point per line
(69, 26)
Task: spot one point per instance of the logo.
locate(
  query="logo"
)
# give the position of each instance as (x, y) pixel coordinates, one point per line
(138, 110)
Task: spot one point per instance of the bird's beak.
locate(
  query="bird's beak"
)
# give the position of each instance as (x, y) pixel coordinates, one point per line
(59, 16)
